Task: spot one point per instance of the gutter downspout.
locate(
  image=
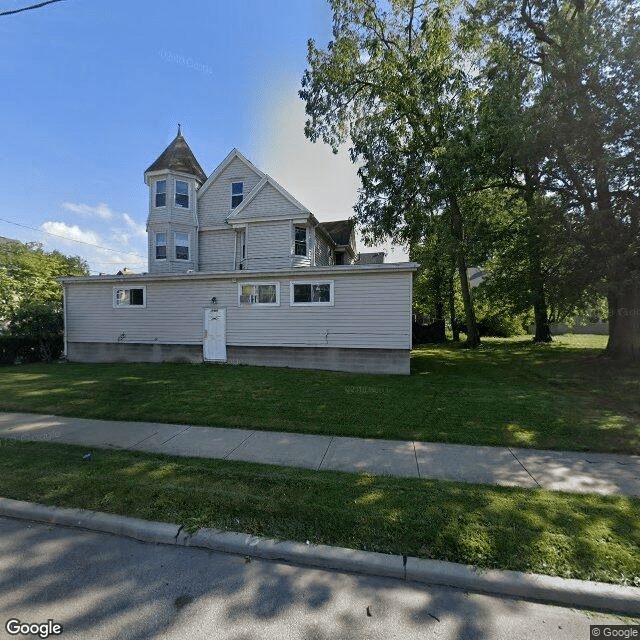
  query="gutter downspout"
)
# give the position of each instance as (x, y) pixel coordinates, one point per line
(64, 311)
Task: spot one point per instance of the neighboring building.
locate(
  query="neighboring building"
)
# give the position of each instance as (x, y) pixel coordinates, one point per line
(241, 272)
(376, 257)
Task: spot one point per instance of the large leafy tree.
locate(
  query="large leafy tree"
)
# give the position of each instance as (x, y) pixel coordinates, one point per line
(394, 85)
(582, 60)
(30, 294)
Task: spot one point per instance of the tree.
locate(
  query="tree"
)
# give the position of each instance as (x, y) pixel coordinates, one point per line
(583, 59)
(392, 83)
(30, 295)
(28, 8)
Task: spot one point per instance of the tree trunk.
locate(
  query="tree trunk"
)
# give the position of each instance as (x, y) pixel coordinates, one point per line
(624, 322)
(452, 310)
(536, 277)
(473, 337)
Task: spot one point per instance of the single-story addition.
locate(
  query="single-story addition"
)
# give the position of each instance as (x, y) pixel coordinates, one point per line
(240, 272)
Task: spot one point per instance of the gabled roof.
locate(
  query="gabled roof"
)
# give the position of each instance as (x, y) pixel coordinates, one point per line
(237, 213)
(339, 230)
(233, 154)
(179, 157)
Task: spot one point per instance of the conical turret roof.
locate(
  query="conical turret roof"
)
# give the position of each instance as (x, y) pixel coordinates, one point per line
(179, 157)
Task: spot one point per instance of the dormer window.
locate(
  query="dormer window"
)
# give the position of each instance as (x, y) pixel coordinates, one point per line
(237, 193)
(161, 193)
(182, 194)
(301, 241)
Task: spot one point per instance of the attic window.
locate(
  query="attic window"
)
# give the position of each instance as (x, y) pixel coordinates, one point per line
(182, 194)
(237, 193)
(161, 193)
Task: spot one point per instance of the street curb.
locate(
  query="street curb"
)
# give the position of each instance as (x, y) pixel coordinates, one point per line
(559, 591)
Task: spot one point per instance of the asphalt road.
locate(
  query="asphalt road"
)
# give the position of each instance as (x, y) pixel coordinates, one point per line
(99, 586)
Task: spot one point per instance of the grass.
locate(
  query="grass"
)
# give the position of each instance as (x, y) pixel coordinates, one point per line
(563, 396)
(579, 536)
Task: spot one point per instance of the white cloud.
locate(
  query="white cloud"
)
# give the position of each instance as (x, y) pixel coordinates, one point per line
(326, 183)
(71, 232)
(101, 211)
(103, 255)
(138, 229)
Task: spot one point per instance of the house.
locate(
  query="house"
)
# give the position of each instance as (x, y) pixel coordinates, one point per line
(239, 271)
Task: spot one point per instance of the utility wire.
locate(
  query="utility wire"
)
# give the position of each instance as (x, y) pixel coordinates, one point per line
(57, 235)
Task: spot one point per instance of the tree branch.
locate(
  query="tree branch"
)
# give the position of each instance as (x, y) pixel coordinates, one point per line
(33, 6)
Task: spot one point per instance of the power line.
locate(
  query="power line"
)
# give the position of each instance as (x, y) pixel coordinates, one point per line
(57, 235)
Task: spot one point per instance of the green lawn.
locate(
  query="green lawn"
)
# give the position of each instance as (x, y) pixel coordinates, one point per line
(566, 395)
(579, 536)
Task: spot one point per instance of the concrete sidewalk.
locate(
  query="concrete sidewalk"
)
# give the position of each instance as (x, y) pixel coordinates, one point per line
(563, 471)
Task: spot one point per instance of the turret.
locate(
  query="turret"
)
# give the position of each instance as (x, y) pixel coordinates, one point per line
(172, 226)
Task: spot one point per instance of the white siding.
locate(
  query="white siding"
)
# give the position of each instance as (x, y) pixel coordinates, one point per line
(270, 202)
(217, 250)
(324, 254)
(214, 204)
(268, 246)
(371, 310)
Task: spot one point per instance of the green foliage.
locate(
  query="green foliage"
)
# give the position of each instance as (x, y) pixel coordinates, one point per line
(511, 392)
(583, 536)
(30, 294)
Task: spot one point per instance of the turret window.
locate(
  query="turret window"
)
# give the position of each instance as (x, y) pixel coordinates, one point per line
(237, 193)
(182, 194)
(181, 241)
(161, 246)
(161, 193)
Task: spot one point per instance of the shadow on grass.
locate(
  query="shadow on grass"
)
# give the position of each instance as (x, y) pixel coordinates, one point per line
(508, 392)
(570, 535)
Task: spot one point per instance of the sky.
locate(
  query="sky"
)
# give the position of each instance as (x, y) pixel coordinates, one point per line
(92, 93)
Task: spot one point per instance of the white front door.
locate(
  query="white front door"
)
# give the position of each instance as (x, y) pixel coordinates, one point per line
(215, 335)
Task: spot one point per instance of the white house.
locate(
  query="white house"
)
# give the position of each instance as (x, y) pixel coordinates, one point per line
(239, 271)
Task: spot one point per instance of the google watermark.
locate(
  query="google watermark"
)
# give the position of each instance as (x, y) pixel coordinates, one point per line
(46, 629)
(614, 631)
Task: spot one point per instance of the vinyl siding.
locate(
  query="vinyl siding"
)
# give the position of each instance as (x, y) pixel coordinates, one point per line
(214, 204)
(323, 251)
(217, 250)
(270, 202)
(371, 310)
(170, 264)
(268, 246)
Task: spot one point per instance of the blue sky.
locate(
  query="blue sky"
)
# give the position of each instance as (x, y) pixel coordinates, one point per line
(93, 93)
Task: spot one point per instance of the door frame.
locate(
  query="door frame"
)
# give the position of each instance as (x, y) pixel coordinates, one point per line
(207, 323)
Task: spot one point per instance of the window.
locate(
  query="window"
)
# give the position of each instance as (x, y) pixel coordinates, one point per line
(237, 189)
(300, 241)
(181, 242)
(161, 193)
(312, 293)
(182, 194)
(265, 293)
(129, 297)
(161, 246)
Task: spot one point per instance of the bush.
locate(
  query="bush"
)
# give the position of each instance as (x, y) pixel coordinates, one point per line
(500, 326)
(19, 349)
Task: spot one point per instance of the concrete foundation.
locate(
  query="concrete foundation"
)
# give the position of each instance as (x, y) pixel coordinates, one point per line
(330, 358)
(388, 361)
(132, 352)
